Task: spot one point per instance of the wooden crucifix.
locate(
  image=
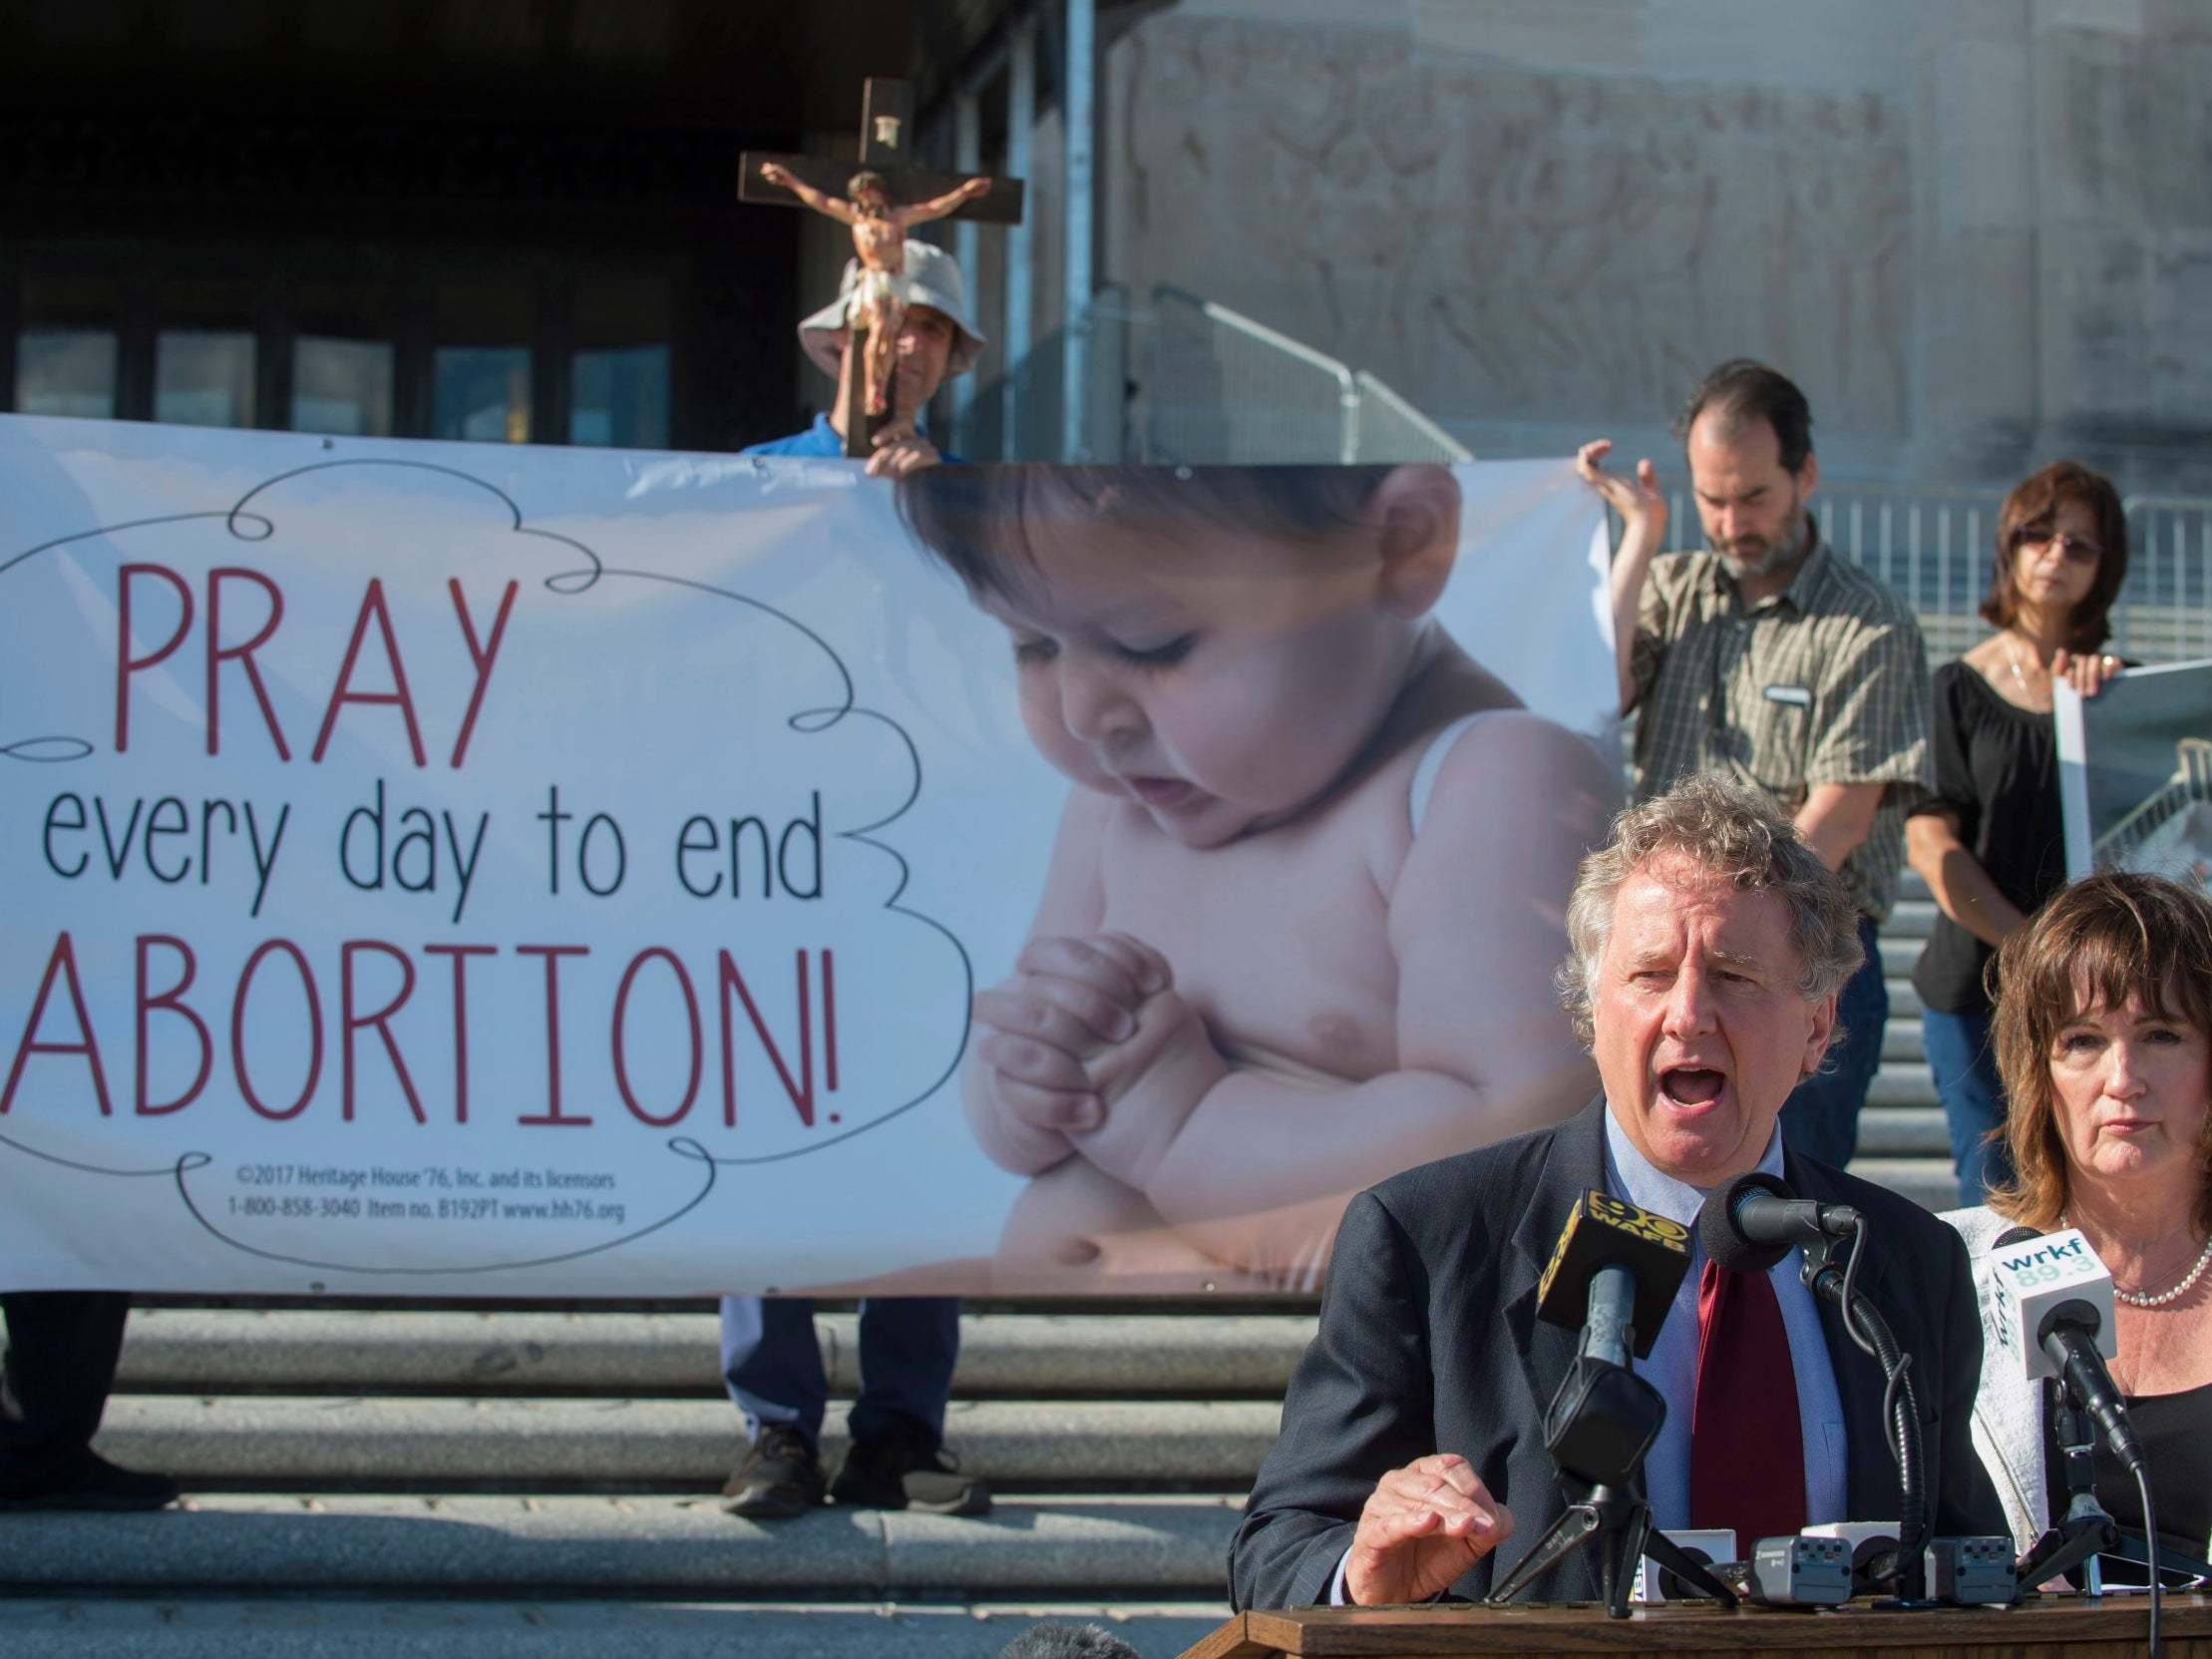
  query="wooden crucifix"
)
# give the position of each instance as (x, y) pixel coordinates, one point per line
(881, 198)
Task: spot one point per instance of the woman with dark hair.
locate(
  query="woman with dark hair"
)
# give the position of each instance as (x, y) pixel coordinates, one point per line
(2104, 1041)
(1990, 840)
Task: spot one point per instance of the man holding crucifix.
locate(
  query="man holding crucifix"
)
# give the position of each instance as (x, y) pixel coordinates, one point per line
(879, 360)
(935, 340)
(879, 302)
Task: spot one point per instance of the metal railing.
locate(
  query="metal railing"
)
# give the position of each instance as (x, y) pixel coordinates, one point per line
(1392, 429)
(1934, 546)
(1018, 417)
(2190, 785)
(1187, 380)
(1220, 388)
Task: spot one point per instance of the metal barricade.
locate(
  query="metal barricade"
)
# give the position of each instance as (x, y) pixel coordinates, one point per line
(1392, 429)
(1185, 381)
(1220, 388)
(2190, 785)
(2165, 611)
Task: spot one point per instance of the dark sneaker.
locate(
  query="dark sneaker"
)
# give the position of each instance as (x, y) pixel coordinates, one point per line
(88, 1482)
(905, 1469)
(778, 1478)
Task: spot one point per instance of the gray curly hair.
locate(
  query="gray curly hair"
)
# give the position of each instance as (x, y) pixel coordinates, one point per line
(1737, 835)
(1068, 1641)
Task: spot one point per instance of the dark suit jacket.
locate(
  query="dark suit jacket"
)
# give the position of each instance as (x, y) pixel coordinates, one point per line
(1429, 1342)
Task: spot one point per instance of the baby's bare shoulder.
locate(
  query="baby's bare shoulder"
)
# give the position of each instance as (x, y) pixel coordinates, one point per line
(1513, 739)
(1515, 776)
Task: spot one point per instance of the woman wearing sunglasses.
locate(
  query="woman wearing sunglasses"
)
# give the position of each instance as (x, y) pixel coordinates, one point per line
(1990, 841)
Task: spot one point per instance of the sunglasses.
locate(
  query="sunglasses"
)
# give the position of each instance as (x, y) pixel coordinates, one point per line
(2071, 547)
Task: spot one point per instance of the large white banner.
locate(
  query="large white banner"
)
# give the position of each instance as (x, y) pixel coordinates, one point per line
(459, 869)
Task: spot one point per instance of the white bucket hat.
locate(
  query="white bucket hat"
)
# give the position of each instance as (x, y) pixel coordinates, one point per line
(932, 278)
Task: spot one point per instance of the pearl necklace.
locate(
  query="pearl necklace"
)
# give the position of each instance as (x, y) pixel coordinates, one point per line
(2136, 1299)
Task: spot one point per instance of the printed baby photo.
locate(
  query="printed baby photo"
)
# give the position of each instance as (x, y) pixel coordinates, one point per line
(1306, 896)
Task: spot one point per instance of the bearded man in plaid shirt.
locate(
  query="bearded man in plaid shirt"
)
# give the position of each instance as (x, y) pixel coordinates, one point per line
(1771, 660)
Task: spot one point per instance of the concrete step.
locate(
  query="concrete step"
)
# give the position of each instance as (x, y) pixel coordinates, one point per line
(518, 1350)
(1900, 1041)
(1904, 1133)
(1898, 956)
(195, 1627)
(1928, 1182)
(1901, 1083)
(631, 1444)
(1910, 917)
(252, 1542)
(1904, 999)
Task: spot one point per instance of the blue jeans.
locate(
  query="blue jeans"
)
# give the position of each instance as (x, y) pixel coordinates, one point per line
(1965, 1068)
(1820, 1119)
(773, 1369)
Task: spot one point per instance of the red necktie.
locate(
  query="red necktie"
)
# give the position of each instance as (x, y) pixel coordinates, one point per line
(1746, 1450)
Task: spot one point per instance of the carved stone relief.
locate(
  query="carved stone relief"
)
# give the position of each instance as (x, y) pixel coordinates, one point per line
(1506, 244)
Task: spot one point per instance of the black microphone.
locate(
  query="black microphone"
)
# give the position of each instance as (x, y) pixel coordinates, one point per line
(1755, 1220)
(1613, 1276)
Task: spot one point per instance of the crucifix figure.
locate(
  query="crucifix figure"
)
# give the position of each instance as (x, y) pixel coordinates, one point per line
(881, 201)
(879, 304)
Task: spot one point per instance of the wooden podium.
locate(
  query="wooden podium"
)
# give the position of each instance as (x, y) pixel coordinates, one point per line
(2042, 1627)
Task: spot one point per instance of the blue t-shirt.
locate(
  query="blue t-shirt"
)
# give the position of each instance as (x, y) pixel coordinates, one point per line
(819, 441)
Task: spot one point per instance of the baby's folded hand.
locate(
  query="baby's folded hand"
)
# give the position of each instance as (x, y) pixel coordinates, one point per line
(1070, 1002)
(1116, 971)
(1149, 1084)
(1036, 1081)
(1026, 1090)
(1074, 995)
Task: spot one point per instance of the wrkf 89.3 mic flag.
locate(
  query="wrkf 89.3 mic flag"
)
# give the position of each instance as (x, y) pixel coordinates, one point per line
(2053, 1303)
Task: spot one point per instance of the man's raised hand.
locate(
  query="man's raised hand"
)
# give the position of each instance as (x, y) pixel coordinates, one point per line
(1636, 500)
(1422, 1527)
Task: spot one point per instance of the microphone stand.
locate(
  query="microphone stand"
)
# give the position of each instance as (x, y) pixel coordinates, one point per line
(1598, 1428)
(1599, 1396)
(1901, 1402)
(2086, 1533)
(2138, 1549)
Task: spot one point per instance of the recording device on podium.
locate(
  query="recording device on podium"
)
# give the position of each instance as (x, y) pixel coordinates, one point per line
(1706, 1545)
(1613, 1276)
(2052, 1300)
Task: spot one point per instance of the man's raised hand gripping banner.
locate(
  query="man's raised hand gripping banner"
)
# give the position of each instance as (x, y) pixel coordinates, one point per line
(442, 869)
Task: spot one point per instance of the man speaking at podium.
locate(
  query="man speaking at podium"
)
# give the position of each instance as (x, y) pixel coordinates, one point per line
(1706, 948)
